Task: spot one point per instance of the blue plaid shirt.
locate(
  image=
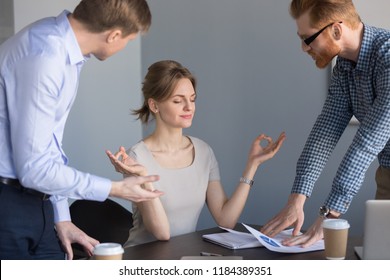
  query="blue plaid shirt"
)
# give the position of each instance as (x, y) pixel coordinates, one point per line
(362, 90)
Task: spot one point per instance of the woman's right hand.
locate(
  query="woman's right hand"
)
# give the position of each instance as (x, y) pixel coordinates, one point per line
(125, 164)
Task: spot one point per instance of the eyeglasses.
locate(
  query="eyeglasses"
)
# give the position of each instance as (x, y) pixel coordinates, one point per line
(310, 39)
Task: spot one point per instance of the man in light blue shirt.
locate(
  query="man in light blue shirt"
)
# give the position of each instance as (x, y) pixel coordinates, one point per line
(360, 87)
(39, 76)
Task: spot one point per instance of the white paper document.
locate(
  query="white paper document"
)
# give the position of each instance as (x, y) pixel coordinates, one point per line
(274, 244)
(233, 239)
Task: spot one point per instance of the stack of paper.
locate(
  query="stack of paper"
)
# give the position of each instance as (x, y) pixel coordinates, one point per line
(233, 239)
(240, 240)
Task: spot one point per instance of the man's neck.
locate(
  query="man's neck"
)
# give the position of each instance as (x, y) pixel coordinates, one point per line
(87, 41)
(351, 44)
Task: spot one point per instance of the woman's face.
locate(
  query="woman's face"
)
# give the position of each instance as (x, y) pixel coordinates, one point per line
(179, 109)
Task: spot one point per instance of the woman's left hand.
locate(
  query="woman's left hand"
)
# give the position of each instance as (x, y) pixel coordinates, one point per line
(259, 154)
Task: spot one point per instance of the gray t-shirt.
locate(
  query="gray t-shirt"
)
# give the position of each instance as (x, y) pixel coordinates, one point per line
(184, 190)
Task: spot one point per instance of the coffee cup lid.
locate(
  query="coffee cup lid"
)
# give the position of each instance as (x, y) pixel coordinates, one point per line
(335, 224)
(106, 249)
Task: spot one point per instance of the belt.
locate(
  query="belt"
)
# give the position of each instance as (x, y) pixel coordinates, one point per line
(16, 184)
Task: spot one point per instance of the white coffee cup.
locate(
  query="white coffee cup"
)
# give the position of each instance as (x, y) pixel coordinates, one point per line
(108, 251)
(335, 238)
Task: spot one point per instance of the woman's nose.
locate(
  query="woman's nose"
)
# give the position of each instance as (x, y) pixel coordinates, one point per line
(189, 105)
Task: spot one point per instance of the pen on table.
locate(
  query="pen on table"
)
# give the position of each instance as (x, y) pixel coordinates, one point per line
(210, 254)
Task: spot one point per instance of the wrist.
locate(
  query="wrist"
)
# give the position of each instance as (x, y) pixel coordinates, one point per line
(327, 213)
(250, 169)
(115, 189)
(245, 180)
(297, 199)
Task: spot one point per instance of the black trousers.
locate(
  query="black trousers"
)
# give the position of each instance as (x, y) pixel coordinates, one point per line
(27, 227)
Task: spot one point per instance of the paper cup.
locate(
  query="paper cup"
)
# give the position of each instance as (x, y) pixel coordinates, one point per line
(335, 238)
(108, 251)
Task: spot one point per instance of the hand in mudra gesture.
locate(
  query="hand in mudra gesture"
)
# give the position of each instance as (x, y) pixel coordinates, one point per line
(125, 164)
(259, 154)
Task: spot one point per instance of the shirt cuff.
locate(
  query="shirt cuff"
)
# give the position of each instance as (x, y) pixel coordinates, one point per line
(301, 186)
(60, 209)
(100, 191)
(338, 202)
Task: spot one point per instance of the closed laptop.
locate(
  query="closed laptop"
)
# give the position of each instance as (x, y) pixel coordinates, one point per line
(376, 242)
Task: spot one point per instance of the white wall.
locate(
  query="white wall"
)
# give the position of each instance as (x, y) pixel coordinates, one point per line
(374, 12)
(100, 117)
(6, 19)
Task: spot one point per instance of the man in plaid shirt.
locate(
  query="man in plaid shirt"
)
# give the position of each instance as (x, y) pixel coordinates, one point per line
(360, 87)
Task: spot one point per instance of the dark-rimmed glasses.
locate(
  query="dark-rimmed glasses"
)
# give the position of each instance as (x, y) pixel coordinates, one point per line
(310, 39)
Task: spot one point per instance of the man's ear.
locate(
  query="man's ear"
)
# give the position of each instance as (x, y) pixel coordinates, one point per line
(337, 31)
(114, 35)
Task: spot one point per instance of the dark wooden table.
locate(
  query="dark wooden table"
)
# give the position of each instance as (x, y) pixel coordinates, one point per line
(192, 244)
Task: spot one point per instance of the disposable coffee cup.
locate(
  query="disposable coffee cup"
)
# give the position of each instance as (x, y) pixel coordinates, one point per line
(108, 251)
(335, 238)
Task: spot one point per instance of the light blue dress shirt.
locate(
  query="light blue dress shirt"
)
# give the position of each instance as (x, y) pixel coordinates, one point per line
(361, 89)
(39, 76)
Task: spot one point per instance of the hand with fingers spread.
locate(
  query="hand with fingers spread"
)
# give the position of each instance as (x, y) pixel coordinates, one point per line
(133, 188)
(291, 215)
(312, 235)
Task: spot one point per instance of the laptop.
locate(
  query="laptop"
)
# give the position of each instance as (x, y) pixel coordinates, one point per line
(376, 241)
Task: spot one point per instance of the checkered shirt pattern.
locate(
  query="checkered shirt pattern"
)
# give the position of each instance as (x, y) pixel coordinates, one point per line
(362, 90)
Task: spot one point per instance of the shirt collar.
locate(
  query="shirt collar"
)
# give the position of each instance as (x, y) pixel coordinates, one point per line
(74, 51)
(365, 47)
(364, 52)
